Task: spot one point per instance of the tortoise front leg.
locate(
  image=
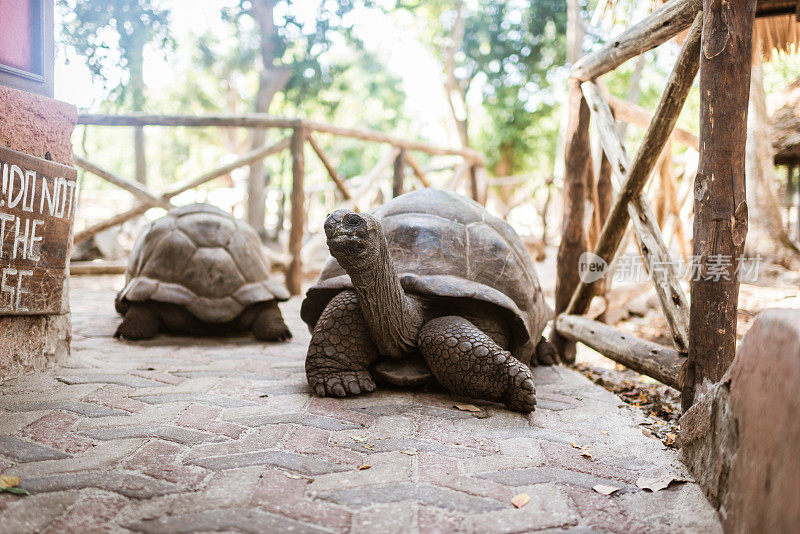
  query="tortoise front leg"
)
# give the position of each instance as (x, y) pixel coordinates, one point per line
(140, 322)
(341, 350)
(467, 361)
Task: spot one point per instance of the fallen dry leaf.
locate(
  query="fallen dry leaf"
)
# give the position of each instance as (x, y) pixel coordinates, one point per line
(658, 484)
(605, 490)
(8, 484)
(410, 453)
(370, 446)
(468, 408)
(521, 500)
(363, 467)
(604, 432)
(7, 481)
(292, 475)
(586, 454)
(575, 445)
(360, 439)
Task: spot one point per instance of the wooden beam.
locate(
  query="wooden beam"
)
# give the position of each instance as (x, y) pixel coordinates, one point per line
(643, 356)
(720, 214)
(412, 162)
(263, 120)
(245, 159)
(399, 173)
(294, 274)
(655, 138)
(573, 236)
(655, 253)
(625, 111)
(660, 26)
(133, 188)
(329, 167)
(139, 154)
(96, 267)
(111, 222)
(179, 188)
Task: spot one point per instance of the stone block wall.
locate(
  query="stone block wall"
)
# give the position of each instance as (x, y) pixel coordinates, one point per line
(41, 127)
(741, 438)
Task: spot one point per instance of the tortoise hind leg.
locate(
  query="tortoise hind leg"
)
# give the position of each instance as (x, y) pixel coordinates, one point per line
(341, 350)
(465, 360)
(140, 322)
(268, 324)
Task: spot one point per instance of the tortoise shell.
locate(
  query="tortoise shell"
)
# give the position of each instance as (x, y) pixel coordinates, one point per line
(202, 258)
(446, 246)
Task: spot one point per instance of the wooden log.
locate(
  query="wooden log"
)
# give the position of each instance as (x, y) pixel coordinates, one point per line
(132, 187)
(573, 236)
(654, 252)
(256, 197)
(720, 214)
(459, 173)
(97, 267)
(655, 138)
(399, 173)
(139, 155)
(657, 28)
(371, 177)
(329, 167)
(629, 112)
(179, 188)
(412, 162)
(111, 222)
(643, 356)
(245, 159)
(294, 274)
(249, 120)
(380, 137)
(263, 120)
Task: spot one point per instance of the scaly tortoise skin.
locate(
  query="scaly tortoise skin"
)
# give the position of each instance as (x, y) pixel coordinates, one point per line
(429, 285)
(198, 270)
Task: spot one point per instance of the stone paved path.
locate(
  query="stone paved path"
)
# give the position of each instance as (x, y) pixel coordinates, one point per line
(180, 435)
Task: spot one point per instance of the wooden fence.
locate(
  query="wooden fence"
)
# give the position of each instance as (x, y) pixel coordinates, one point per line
(719, 46)
(302, 132)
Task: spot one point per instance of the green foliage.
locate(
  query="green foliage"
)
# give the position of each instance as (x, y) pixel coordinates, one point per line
(511, 54)
(113, 34)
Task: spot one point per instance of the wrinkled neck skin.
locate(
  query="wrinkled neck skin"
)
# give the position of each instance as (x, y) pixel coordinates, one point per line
(392, 317)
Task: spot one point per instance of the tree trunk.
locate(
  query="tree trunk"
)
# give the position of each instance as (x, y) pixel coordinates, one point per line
(272, 79)
(455, 93)
(767, 236)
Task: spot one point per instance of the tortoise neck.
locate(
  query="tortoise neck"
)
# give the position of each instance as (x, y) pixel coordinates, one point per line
(392, 317)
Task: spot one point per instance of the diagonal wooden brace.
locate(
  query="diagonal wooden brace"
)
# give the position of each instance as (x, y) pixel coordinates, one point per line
(651, 244)
(636, 177)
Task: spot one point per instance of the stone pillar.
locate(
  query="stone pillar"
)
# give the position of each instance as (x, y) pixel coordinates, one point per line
(40, 127)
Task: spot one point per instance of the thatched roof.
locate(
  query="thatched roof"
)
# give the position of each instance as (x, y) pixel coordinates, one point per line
(786, 125)
(777, 28)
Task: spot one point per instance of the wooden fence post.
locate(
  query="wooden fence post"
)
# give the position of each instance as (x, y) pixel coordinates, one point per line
(139, 155)
(399, 173)
(256, 182)
(720, 213)
(573, 236)
(294, 275)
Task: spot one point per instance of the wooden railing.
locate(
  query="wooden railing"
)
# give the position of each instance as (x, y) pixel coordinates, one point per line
(719, 46)
(302, 132)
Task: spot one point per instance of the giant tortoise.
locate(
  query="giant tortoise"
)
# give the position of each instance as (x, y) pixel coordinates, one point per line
(198, 270)
(429, 285)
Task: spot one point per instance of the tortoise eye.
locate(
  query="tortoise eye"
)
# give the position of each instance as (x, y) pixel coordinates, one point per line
(352, 219)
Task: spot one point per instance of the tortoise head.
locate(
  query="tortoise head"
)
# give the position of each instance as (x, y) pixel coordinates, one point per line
(354, 239)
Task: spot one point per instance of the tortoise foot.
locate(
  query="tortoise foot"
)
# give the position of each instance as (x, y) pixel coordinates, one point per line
(546, 353)
(341, 350)
(268, 324)
(521, 393)
(139, 323)
(341, 383)
(465, 360)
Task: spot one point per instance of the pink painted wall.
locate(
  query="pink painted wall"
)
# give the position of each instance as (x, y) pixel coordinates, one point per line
(15, 33)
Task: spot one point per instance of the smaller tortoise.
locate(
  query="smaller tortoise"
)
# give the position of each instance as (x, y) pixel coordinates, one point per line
(198, 270)
(427, 286)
